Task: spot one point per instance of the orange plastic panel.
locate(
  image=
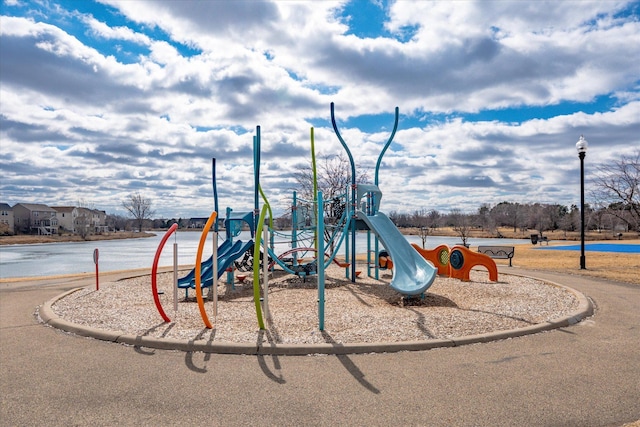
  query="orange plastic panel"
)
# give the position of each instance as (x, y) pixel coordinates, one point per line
(462, 260)
(439, 257)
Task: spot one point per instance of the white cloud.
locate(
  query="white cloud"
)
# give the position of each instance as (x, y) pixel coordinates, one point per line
(93, 125)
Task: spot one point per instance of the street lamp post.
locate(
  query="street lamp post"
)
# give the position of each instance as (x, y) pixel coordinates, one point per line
(581, 146)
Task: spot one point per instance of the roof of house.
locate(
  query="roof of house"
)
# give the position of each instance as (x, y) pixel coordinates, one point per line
(63, 208)
(36, 207)
(5, 207)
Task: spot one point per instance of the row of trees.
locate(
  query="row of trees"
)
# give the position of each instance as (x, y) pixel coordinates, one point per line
(614, 191)
(521, 218)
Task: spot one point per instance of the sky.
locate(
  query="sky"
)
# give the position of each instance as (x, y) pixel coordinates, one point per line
(103, 99)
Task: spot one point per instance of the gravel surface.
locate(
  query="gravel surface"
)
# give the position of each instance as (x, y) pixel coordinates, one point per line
(364, 312)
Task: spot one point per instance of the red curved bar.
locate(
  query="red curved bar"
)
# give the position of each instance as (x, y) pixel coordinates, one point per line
(154, 271)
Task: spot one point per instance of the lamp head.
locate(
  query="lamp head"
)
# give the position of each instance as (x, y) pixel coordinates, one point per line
(582, 145)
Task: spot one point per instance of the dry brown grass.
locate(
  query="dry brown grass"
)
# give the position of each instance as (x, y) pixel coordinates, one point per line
(622, 267)
(509, 233)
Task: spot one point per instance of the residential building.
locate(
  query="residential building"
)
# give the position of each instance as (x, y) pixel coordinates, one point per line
(99, 221)
(67, 216)
(90, 221)
(34, 218)
(7, 224)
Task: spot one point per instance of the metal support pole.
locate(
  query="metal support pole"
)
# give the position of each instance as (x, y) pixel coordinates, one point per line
(265, 273)
(175, 277)
(214, 269)
(582, 257)
(320, 262)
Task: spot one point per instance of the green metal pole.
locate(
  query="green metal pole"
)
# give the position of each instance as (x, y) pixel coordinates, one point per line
(315, 188)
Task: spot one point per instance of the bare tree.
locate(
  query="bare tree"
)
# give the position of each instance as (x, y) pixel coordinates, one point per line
(507, 213)
(139, 207)
(116, 222)
(461, 224)
(333, 174)
(420, 221)
(426, 221)
(618, 182)
(83, 220)
(334, 178)
(485, 219)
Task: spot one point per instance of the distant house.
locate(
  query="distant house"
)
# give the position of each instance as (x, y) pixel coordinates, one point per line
(67, 216)
(99, 221)
(33, 218)
(90, 221)
(7, 224)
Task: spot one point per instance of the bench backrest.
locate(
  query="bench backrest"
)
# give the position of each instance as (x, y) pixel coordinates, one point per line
(497, 251)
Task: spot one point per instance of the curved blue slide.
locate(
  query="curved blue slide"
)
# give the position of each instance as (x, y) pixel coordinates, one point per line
(183, 282)
(412, 274)
(227, 253)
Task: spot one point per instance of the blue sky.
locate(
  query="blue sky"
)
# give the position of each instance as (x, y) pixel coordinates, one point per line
(102, 99)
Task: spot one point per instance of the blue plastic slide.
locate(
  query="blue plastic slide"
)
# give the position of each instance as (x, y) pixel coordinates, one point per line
(224, 261)
(184, 281)
(412, 274)
(227, 253)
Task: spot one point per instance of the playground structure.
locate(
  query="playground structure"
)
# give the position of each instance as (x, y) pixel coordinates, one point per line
(438, 256)
(412, 274)
(228, 252)
(462, 260)
(457, 262)
(413, 270)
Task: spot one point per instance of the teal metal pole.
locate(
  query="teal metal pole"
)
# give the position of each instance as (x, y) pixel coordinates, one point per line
(320, 262)
(294, 227)
(353, 195)
(384, 149)
(230, 238)
(393, 133)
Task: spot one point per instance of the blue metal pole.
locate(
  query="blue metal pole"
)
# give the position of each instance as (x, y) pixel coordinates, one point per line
(256, 171)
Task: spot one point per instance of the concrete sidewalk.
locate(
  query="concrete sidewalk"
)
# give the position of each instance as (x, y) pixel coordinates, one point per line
(583, 375)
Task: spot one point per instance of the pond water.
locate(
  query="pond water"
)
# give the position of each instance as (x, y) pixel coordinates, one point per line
(77, 257)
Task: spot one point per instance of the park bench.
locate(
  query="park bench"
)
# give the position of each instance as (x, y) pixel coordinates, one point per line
(536, 239)
(498, 252)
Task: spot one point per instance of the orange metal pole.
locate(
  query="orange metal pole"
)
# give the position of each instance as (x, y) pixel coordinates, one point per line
(203, 239)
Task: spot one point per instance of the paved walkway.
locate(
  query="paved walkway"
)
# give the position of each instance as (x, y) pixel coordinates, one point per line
(584, 375)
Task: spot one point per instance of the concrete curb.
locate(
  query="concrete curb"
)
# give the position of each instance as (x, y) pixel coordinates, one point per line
(48, 316)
